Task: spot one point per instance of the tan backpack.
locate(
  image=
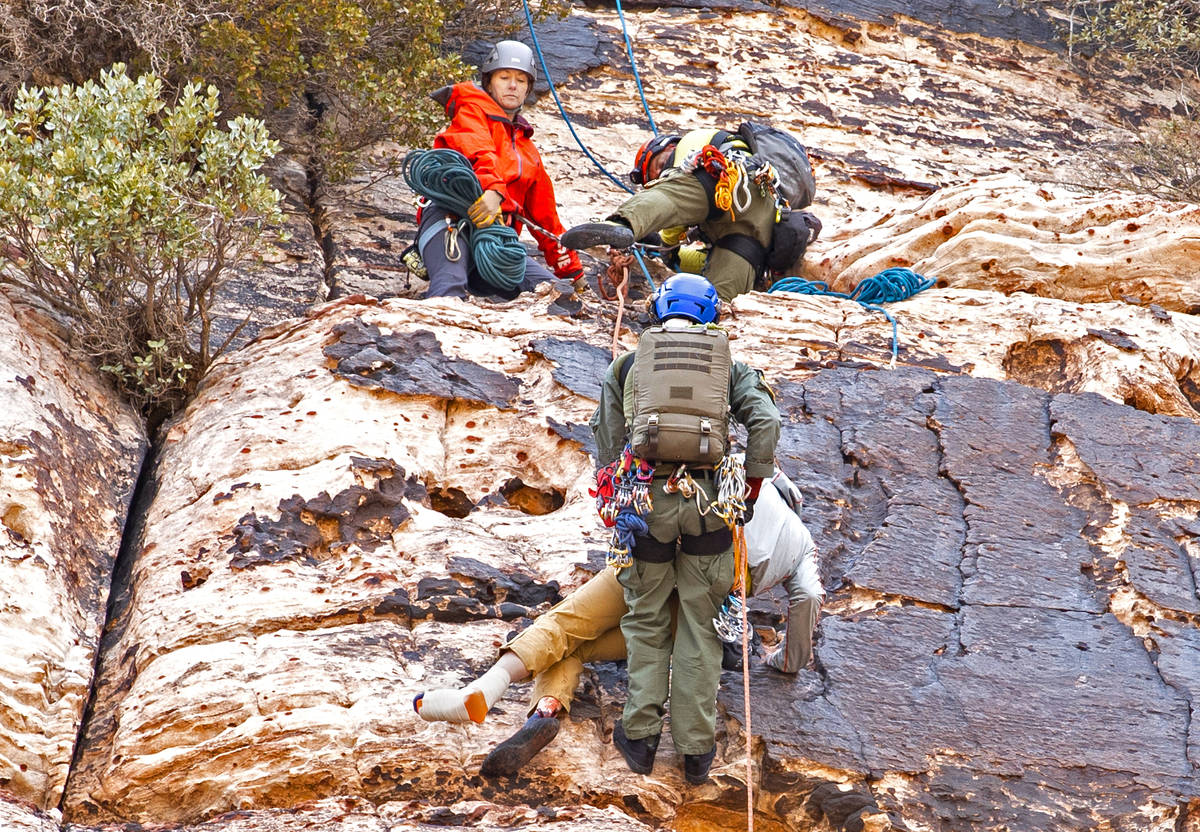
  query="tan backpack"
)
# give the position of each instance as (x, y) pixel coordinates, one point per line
(676, 396)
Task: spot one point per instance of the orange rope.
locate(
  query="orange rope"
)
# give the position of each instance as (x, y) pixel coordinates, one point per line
(616, 341)
(739, 548)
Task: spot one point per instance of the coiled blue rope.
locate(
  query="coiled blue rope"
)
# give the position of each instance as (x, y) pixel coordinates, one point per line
(629, 524)
(889, 285)
(562, 110)
(446, 177)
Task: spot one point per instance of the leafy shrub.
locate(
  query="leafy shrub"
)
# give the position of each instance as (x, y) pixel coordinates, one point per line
(122, 215)
(1157, 38)
(1163, 161)
(329, 77)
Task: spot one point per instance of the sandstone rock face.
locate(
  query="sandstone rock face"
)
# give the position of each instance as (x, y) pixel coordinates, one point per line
(891, 109)
(70, 451)
(1010, 235)
(363, 503)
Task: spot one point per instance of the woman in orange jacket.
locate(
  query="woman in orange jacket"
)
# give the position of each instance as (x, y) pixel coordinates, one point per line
(485, 126)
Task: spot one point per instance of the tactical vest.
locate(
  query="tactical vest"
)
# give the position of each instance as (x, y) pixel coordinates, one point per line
(676, 397)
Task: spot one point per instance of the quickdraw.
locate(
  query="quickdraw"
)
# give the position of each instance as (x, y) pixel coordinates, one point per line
(622, 499)
(730, 507)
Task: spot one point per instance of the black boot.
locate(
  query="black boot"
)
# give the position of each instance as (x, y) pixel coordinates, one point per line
(696, 766)
(590, 234)
(638, 754)
(507, 758)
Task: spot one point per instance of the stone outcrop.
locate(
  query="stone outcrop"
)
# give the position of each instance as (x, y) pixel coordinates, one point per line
(356, 537)
(70, 451)
(1010, 235)
(365, 501)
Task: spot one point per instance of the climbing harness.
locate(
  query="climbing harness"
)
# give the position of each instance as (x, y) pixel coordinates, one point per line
(445, 177)
(623, 500)
(889, 285)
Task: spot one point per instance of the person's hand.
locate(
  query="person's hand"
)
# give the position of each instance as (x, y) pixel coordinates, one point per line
(486, 210)
(692, 259)
(776, 658)
(753, 484)
(567, 266)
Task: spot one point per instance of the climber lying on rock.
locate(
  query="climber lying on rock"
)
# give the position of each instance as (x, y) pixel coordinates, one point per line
(585, 627)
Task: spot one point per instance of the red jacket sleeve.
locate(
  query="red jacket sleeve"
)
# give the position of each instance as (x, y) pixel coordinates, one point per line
(541, 207)
(470, 133)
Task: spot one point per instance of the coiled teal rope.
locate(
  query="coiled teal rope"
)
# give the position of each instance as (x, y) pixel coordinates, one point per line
(446, 177)
(887, 286)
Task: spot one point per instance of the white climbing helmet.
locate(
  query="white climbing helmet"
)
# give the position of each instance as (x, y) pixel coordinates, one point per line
(509, 54)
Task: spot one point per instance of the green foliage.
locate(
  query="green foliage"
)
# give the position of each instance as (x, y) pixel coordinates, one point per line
(329, 77)
(1157, 38)
(123, 214)
(365, 66)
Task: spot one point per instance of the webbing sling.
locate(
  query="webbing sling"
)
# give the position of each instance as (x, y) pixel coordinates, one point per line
(747, 248)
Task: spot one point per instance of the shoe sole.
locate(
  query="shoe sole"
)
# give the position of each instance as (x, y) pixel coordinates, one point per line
(585, 237)
(477, 707)
(475, 704)
(508, 757)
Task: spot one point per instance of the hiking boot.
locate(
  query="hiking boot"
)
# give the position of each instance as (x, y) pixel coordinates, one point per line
(598, 234)
(696, 766)
(731, 655)
(638, 754)
(507, 758)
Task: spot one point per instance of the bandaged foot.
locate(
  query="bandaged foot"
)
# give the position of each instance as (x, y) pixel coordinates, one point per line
(468, 704)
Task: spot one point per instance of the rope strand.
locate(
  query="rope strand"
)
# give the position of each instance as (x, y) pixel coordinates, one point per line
(446, 177)
(886, 287)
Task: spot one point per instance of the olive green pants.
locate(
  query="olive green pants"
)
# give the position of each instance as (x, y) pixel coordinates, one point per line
(686, 669)
(678, 198)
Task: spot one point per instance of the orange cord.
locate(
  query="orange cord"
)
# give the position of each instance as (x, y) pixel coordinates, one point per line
(616, 341)
(739, 549)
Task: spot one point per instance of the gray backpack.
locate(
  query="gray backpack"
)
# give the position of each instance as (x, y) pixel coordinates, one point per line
(787, 156)
(676, 397)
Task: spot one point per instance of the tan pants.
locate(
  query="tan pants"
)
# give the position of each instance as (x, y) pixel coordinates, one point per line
(583, 627)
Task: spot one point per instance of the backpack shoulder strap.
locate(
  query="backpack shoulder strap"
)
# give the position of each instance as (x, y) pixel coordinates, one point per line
(623, 370)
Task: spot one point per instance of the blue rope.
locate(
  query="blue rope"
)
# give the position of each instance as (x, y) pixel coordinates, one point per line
(446, 177)
(642, 262)
(562, 111)
(627, 525)
(887, 286)
(633, 64)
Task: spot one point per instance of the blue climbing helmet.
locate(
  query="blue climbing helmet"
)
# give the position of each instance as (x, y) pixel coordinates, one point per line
(686, 296)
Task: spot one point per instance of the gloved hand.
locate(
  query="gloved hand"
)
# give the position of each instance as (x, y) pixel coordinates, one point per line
(692, 259)
(566, 265)
(753, 484)
(486, 210)
(775, 659)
